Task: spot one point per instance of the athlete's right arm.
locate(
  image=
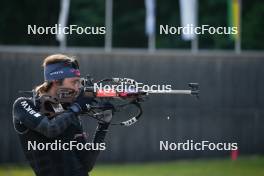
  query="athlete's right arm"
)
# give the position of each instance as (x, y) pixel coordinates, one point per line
(26, 113)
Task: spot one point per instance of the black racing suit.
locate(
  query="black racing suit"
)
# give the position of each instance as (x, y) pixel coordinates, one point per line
(32, 126)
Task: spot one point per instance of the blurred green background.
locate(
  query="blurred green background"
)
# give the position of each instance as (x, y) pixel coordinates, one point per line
(128, 23)
(244, 166)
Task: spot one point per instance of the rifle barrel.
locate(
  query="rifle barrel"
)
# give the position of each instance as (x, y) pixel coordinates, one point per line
(186, 92)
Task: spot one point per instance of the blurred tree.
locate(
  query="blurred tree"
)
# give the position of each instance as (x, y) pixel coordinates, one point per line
(87, 13)
(213, 13)
(169, 15)
(16, 15)
(128, 23)
(252, 34)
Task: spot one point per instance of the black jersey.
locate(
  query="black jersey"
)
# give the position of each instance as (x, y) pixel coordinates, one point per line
(32, 126)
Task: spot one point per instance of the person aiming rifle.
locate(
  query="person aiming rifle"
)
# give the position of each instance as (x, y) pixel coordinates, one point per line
(53, 113)
(60, 123)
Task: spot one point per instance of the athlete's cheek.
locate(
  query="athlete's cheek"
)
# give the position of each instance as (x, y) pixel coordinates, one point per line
(76, 86)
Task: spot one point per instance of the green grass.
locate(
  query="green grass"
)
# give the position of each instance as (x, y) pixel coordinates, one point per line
(244, 166)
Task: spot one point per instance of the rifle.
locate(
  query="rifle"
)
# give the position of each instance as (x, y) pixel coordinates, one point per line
(113, 98)
(124, 97)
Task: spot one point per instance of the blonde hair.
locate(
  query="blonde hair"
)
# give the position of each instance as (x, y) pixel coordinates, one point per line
(52, 59)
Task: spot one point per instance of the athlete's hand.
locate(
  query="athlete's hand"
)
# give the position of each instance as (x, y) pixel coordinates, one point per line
(81, 103)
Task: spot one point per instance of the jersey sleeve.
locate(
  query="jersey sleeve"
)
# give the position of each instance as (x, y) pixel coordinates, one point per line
(89, 157)
(26, 113)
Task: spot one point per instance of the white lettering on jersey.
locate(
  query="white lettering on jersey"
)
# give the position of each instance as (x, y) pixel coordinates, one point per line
(27, 107)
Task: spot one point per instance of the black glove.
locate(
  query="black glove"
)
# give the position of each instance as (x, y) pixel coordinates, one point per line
(81, 103)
